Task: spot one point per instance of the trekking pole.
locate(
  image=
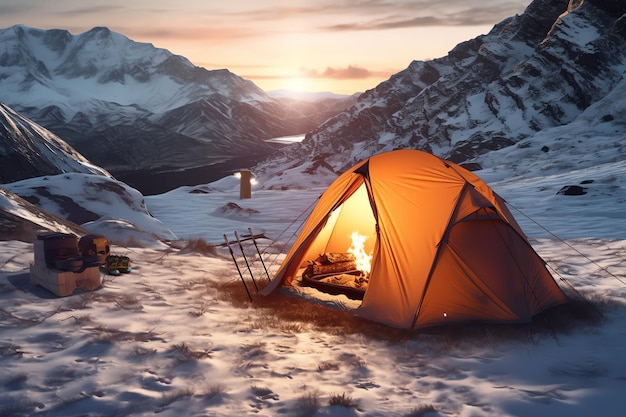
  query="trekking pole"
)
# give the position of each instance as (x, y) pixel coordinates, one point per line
(260, 256)
(237, 265)
(246, 259)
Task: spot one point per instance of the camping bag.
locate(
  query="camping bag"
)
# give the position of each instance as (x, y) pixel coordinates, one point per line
(94, 249)
(61, 251)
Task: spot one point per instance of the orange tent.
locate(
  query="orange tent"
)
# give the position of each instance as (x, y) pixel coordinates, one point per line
(444, 247)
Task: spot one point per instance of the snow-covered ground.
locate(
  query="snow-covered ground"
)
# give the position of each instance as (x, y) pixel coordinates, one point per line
(162, 340)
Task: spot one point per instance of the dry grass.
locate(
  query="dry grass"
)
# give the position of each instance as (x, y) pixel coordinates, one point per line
(185, 353)
(261, 392)
(110, 335)
(199, 246)
(142, 352)
(309, 403)
(131, 242)
(421, 410)
(253, 350)
(342, 400)
(83, 320)
(328, 366)
(215, 390)
(292, 314)
(170, 398)
(264, 393)
(128, 302)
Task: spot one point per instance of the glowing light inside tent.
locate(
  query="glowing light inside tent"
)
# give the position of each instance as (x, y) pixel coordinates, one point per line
(363, 260)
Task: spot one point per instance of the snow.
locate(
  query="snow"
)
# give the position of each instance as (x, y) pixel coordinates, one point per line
(115, 204)
(585, 33)
(75, 72)
(287, 139)
(163, 340)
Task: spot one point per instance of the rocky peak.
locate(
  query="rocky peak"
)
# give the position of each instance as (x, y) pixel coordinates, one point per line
(56, 40)
(28, 150)
(534, 71)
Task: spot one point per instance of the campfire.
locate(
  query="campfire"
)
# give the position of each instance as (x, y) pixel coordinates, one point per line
(362, 259)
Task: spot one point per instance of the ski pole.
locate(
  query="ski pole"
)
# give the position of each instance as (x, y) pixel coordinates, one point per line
(260, 256)
(237, 265)
(246, 259)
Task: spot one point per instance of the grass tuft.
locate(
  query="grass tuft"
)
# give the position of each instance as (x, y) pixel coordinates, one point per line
(170, 398)
(199, 246)
(253, 350)
(309, 403)
(215, 390)
(342, 400)
(421, 410)
(328, 366)
(185, 353)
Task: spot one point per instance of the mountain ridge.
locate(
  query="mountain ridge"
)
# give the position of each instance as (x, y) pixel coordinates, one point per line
(130, 106)
(531, 72)
(28, 150)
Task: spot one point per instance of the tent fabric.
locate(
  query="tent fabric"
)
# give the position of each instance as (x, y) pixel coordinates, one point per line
(445, 248)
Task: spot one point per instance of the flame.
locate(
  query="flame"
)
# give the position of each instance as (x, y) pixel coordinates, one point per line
(363, 260)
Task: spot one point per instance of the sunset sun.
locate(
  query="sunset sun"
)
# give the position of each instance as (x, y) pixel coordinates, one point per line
(297, 84)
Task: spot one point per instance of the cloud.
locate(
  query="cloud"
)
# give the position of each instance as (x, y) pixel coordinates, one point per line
(90, 10)
(467, 16)
(388, 14)
(189, 33)
(351, 72)
(9, 9)
(389, 24)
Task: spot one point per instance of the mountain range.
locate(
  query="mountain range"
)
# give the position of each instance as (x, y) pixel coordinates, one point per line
(559, 65)
(557, 68)
(131, 107)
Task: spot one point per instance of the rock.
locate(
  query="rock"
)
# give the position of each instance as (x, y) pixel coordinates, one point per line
(572, 190)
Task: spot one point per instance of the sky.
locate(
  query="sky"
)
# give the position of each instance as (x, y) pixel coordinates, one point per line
(343, 46)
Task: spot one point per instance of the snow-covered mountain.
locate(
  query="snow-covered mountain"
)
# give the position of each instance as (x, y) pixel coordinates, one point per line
(559, 65)
(21, 220)
(79, 203)
(129, 106)
(28, 150)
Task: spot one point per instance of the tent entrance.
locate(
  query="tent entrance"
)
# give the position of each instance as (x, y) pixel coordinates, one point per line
(338, 260)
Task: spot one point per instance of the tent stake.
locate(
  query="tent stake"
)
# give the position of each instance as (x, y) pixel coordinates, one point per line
(237, 265)
(260, 256)
(246, 259)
